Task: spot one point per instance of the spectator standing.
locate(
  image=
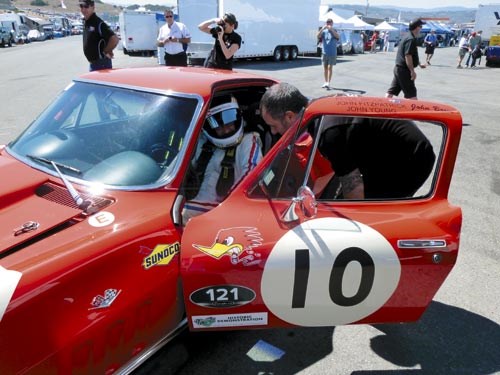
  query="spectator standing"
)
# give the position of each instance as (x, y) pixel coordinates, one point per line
(474, 40)
(406, 62)
(99, 40)
(374, 39)
(430, 44)
(363, 39)
(329, 37)
(227, 41)
(463, 48)
(174, 38)
(386, 41)
(374, 158)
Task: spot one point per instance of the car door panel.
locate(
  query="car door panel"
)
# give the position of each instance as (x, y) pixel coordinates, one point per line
(352, 262)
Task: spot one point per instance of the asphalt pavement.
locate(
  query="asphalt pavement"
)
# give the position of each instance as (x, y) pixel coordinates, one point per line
(458, 334)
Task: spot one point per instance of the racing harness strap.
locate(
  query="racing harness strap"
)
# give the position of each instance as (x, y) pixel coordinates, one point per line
(197, 174)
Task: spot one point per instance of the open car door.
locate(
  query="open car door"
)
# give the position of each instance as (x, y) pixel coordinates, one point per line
(284, 249)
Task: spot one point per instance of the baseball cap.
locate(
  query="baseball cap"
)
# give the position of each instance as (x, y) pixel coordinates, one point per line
(416, 23)
(86, 2)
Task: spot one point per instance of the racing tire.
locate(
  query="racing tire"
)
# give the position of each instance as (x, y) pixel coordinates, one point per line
(294, 53)
(277, 55)
(286, 53)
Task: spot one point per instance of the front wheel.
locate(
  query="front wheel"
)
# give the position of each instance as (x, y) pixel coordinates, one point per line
(294, 53)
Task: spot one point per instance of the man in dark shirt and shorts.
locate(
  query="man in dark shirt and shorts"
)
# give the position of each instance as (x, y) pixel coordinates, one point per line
(99, 40)
(406, 62)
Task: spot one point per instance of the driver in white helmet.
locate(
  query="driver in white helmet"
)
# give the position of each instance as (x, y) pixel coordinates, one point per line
(224, 156)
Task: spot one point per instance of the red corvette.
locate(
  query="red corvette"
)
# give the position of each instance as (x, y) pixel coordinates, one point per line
(98, 271)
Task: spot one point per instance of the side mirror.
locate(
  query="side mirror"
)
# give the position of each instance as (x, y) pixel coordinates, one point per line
(304, 204)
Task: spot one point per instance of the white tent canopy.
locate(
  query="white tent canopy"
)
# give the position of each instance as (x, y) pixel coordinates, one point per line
(338, 22)
(385, 26)
(359, 24)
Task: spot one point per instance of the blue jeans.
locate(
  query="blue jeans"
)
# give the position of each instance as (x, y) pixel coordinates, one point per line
(100, 64)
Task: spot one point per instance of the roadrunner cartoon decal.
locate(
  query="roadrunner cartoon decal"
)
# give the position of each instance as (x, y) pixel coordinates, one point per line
(237, 243)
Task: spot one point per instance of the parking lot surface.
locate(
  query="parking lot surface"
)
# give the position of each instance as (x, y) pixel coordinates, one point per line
(460, 332)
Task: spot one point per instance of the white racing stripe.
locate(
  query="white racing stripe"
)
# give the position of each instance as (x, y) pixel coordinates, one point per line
(8, 283)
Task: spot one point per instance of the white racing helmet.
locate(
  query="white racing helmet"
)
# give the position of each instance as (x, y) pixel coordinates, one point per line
(221, 116)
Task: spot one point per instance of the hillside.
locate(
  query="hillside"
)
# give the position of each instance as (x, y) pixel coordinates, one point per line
(455, 15)
(105, 10)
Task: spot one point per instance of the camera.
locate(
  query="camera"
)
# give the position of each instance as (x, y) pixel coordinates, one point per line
(217, 29)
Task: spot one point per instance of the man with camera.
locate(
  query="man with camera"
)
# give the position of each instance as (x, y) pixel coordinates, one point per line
(227, 41)
(174, 36)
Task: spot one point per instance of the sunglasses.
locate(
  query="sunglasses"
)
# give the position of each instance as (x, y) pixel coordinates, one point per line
(86, 6)
(168, 16)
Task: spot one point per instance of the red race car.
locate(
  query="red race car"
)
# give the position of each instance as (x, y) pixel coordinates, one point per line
(98, 270)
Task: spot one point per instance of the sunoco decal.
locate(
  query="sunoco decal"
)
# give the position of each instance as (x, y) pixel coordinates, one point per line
(237, 243)
(161, 255)
(222, 296)
(231, 320)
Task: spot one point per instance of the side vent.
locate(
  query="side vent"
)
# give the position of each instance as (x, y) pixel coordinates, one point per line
(60, 195)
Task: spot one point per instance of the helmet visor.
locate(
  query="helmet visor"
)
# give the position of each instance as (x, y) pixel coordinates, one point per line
(223, 119)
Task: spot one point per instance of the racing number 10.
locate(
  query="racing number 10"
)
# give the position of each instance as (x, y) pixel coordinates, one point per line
(350, 254)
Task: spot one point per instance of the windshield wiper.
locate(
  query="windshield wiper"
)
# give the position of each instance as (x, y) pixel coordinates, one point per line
(80, 202)
(65, 166)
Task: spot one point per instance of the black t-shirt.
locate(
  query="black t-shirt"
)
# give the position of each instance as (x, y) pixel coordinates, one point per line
(96, 34)
(407, 47)
(393, 156)
(217, 58)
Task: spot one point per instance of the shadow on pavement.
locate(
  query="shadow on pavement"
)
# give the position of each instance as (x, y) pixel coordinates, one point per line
(447, 340)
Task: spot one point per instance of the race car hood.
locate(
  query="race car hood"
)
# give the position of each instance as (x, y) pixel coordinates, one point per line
(30, 205)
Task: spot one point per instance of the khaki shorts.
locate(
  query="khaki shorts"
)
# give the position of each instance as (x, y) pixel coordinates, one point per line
(329, 60)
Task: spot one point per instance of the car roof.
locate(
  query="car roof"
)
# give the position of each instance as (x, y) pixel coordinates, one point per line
(196, 80)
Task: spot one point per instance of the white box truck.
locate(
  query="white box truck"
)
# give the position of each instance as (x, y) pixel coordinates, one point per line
(279, 29)
(488, 20)
(139, 30)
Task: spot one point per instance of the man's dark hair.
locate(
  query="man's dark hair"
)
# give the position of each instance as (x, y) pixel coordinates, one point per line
(280, 98)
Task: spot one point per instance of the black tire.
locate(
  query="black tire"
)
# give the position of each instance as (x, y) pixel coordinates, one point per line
(278, 54)
(125, 52)
(294, 53)
(286, 54)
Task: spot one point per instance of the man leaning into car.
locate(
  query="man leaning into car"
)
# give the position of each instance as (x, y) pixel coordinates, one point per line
(99, 40)
(372, 158)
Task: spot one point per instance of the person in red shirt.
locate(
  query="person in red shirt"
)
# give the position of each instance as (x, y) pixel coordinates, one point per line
(374, 42)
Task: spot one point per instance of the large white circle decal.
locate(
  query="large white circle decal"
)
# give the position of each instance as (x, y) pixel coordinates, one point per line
(329, 271)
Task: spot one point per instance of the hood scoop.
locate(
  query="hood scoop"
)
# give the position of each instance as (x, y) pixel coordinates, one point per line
(60, 195)
(49, 210)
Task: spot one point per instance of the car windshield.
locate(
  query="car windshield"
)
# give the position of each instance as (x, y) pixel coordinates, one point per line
(118, 137)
